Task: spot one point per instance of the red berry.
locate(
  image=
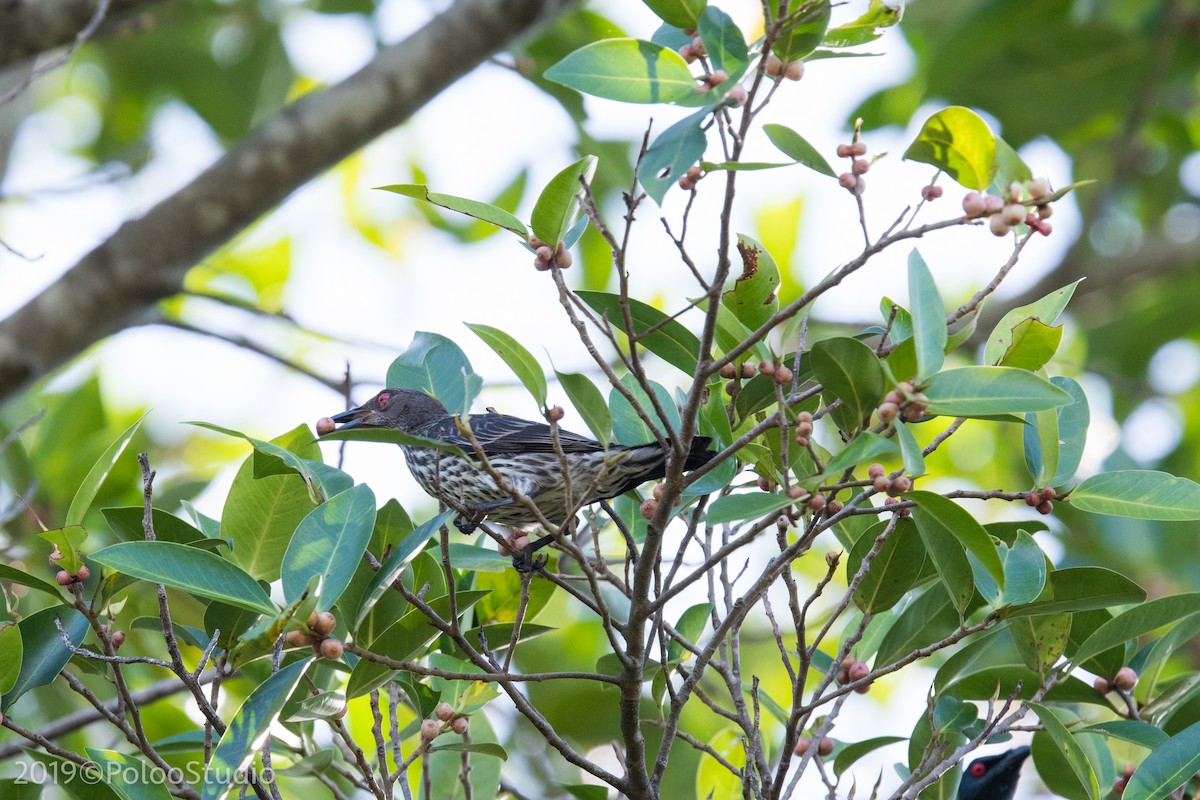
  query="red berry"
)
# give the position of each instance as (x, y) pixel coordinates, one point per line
(117, 639)
(875, 471)
(1045, 507)
(1045, 211)
(748, 371)
(859, 670)
(562, 256)
(802, 746)
(825, 746)
(728, 372)
(1045, 229)
(544, 253)
(717, 78)
(888, 411)
(1013, 213)
(881, 483)
(64, 578)
(444, 712)
(460, 725)
(1048, 493)
(332, 649)
(694, 173)
(764, 484)
(430, 729)
(804, 417)
(796, 492)
(832, 558)
(83, 573)
(817, 503)
(774, 66)
(298, 638)
(555, 414)
(648, 507)
(783, 376)
(1037, 188)
(520, 542)
(540, 265)
(766, 367)
(1101, 685)
(992, 203)
(931, 193)
(1032, 499)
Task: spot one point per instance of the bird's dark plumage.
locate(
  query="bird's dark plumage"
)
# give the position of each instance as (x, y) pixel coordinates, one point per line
(993, 777)
(519, 450)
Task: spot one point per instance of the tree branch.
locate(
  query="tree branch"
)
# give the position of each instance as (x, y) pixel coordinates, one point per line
(118, 282)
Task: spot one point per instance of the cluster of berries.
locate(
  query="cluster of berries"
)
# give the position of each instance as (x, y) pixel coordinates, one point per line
(444, 719)
(854, 670)
(320, 626)
(904, 402)
(691, 178)
(1006, 212)
(746, 371)
(885, 485)
(853, 181)
(777, 68)
(650, 505)
(64, 578)
(545, 256)
(1123, 681)
(1041, 500)
(804, 744)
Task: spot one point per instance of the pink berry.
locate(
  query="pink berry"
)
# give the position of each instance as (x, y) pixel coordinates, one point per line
(1045, 229)
(430, 729)
(858, 149)
(1013, 213)
(998, 226)
(1125, 679)
(844, 151)
(1038, 188)
(460, 725)
(847, 181)
(973, 205)
(930, 193)
(325, 425)
(774, 66)
(794, 71)
(861, 166)
(738, 96)
(992, 203)
(444, 712)
(648, 507)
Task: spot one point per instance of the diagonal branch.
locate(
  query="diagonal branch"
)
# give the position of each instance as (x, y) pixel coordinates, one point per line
(118, 283)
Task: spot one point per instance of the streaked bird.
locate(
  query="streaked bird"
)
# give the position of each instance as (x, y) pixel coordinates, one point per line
(993, 777)
(520, 451)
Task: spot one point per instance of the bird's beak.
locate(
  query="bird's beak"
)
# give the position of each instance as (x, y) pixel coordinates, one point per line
(352, 418)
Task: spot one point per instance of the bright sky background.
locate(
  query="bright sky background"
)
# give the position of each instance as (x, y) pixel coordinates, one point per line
(471, 141)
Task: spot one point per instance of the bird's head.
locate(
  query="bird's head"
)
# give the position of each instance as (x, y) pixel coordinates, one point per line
(993, 777)
(401, 409)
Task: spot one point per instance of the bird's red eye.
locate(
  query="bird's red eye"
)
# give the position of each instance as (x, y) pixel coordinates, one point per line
(977, 769)
(382, 397)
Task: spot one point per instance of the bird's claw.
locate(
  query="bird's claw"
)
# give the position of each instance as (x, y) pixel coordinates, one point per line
(525, 561)
(467, 522)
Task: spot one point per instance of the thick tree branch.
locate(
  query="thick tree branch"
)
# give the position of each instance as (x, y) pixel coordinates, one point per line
(117, 283)
(30, 27)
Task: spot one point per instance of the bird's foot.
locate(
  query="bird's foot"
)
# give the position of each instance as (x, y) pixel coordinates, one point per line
(525, 560)
(470, 516)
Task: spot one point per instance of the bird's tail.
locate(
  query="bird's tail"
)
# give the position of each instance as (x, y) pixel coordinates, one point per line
(699, 454)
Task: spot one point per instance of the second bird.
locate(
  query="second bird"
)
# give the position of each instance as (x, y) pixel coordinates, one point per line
(520, 451)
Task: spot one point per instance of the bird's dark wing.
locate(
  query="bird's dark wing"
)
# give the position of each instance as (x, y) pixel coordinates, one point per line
(501, 434)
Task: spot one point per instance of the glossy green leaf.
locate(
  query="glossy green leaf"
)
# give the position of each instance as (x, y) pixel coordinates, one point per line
(989, 391)
(437, 366)
(1045, 310)
(1034, 343)
(98, 474)
(679, 13)
(671, 340)
(957, 141)
(737, 507)
(78, 783)
(20, 789)
(43, 653)
(68, 540)
(328, 545)
(754, 297)
(188, 569)
(518, 359)
(910, 450)
(1039, 439)
(14, 575)
(1138, 493)
(1076, 757)
(963, 526)
(851, 371)
(126, 522)
(725, 43)
(671, 154)
(797, 148)
(1168, 768)
(589, 403)
(865, 447)
(129, 776)
(804, 29)
(949, 558)
(1135, 731)
(1010, 168)
(1073, 422)
(628, 70)
(893, 570)
(1138, 621)
(628, 427)
(397, 560)
(1081, 589)
(928, 317)
(472, 208)
(928, 619)
(868, 27)
(249, 725)
(690, 625)
(11, 651)
(557, 208)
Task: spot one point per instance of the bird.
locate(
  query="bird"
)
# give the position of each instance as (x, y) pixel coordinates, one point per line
(993, 777)
(522, 452)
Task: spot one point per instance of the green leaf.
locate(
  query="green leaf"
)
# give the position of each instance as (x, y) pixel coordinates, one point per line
(188, 569)
(21, 789)
(1081, 589)
(328, 544)
(928, 619)
(866, 446)
(957, 141)
(807, 22)
(680, 13)
(989, 391)
(851, 371)
(1135, 622)
(725, 43)
(43, 653)
(397, 560)
(126, 522)
(1041, 640)
(737, 507)
(1138, 493)
(11, 650)
(873, 23)
(962, 525)
(914, 459)
(472, 208)
(1034, 343)
(131, 777)
(671, 154)
(480, 748)
(1076, 757)
(1040, 440)
(797, 148)
(893, 570)
(14, 575)
(589, 403)
(628, 70)
(1024, 571)
(1073, 422)
(671, 340)
(557, 208)
(754, 296)
(949, 558)
(1010, 168)
(928, 317)
(1140, 733)
(437, 366)
(1046, 310)
(518, 359)
(87, 490)
(690, 625)
(248, 727)
(628, 427)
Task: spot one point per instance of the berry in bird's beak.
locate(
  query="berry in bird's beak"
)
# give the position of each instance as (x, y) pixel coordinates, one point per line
(347, 419)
